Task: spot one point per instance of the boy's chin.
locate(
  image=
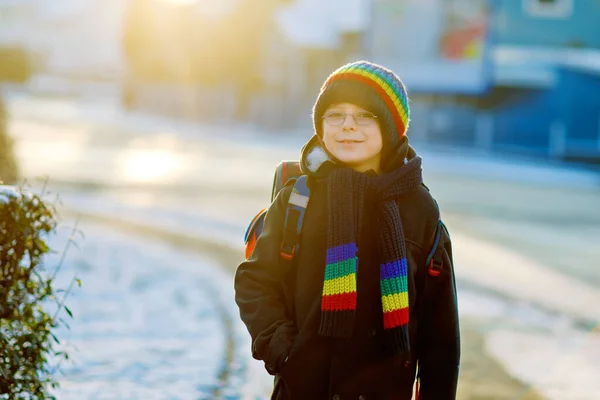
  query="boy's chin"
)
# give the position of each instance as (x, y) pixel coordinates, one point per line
(352, 161)
(348, 157)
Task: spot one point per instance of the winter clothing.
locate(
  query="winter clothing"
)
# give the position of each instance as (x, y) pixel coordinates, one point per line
(351, 314)
(338, 304)
(280, 303)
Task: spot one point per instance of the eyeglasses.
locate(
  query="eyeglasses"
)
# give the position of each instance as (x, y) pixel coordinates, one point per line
(363, 118)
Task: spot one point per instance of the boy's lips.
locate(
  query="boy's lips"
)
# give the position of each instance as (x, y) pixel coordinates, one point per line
(349, 141)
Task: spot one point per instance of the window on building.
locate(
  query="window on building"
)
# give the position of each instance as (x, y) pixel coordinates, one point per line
(549, 8)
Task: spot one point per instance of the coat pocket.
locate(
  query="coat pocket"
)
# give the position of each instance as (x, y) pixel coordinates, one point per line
(306, 372)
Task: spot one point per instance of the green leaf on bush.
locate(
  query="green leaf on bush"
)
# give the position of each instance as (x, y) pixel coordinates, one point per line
(43, 246)
(55, 338)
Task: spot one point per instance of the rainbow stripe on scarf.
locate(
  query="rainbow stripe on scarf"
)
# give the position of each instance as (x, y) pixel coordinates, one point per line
(339, 288)
(384, 82)
(394, 293)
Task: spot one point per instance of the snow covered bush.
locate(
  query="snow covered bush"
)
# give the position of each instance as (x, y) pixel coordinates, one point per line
(29, 305)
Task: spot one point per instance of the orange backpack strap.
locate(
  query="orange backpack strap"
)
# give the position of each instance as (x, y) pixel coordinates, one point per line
(253, 232)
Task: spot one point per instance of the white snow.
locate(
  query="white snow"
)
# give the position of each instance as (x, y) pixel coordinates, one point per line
(508, 272)
(556, 358)
(560, 365)
(147, 323)
(8, 192)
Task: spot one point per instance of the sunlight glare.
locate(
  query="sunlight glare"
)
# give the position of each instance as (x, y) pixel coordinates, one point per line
(149, 166)
(180, 2)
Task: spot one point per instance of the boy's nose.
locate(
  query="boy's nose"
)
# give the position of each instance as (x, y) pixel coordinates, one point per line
(349, 122)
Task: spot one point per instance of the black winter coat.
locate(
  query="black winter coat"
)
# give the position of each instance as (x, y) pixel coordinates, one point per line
(280, 304)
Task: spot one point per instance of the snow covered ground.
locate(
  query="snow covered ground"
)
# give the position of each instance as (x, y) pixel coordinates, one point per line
(150, 322)
(149, 302)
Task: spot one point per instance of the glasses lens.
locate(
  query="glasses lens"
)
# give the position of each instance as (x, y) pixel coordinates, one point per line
(335, 119)
(365, 118)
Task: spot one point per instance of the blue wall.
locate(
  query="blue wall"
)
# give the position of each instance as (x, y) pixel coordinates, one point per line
(522, 121)
(515, 26)
(578, 104)
(525, 123)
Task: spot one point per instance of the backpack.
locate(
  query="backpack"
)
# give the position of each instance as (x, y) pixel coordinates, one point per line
(287, 172)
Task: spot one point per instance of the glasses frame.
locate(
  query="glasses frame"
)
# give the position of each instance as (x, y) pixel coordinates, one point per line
(373, 118)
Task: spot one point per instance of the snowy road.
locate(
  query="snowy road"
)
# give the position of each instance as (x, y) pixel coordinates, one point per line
(150, 322)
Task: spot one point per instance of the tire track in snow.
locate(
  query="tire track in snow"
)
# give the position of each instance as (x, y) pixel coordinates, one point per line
(216, 291)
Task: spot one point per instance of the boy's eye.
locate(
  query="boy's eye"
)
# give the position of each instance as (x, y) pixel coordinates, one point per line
(335, 115)
(364, 114)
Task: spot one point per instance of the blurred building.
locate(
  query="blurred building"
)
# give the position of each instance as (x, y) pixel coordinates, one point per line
(68, 37)
(309, 39)
(547, 61)
(497, 75)
(261, 63)
(500, 75)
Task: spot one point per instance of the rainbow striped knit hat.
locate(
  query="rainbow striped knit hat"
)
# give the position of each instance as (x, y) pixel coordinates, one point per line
(373, 87)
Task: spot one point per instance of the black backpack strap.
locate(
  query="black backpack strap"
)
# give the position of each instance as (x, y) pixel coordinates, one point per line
(434, 260)
(434, 264)
(294, 218)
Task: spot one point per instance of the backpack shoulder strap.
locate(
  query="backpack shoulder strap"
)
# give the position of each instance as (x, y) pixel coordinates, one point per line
(434, 264)
(434, 260)
(294, 218)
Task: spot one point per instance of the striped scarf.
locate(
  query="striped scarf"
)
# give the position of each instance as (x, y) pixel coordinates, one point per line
(348, 192)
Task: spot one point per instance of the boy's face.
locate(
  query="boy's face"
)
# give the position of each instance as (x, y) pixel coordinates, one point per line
(357, 141)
